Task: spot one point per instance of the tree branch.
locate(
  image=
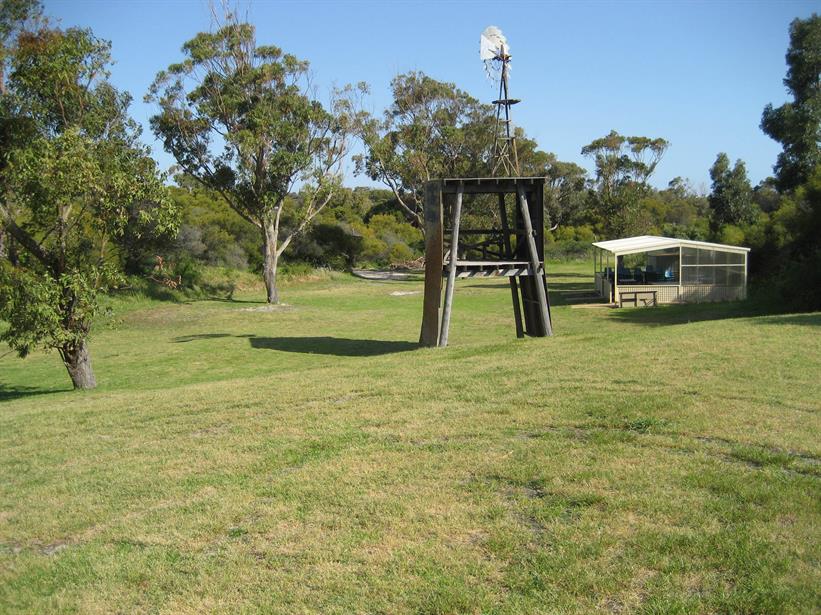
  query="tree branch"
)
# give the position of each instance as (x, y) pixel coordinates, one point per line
(25, 240)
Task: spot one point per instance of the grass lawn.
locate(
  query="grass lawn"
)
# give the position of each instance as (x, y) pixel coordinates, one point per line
(311, 459)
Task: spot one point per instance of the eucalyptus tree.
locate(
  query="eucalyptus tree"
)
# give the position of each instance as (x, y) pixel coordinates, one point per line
(731, 198)
(624, 166)
(71, 170)
(431, 130)
(797, 124)
(566, 183)
(14, 15)
(241, 119)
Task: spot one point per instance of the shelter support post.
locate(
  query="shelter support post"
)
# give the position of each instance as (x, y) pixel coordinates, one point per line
(744, 292)
(615, 278)
(609, 285)
(680, 295)
(597, 270)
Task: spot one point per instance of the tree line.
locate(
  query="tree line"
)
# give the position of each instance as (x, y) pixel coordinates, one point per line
(258, 176)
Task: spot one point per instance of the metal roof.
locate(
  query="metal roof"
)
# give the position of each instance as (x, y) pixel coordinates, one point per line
(647, 243)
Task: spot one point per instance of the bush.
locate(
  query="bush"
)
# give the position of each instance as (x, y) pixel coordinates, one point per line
(731, 235)
(387, 240)
(334, 245)
(569, 242)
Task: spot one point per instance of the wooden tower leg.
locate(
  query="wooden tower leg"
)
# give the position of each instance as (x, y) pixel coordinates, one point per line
(454, 255)
(541, 294)
(434, 257)
(514, 287)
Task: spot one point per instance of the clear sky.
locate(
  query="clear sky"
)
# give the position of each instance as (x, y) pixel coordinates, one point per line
(695, 73)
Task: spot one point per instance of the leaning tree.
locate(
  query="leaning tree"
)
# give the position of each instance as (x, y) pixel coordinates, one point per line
(241, 119)
(71, 170)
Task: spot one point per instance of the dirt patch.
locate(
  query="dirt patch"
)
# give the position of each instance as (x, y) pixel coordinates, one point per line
(380, 275)
(282, 307)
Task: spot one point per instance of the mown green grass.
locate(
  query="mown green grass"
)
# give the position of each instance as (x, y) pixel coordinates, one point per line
(313, 460)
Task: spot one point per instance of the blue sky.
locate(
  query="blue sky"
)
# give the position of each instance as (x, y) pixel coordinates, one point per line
(695, 73)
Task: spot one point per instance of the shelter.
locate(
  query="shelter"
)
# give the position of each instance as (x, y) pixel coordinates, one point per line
(649, 270)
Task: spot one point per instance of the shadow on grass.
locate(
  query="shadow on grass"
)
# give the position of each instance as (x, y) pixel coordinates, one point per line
(7, 393)
(806, 320)
(201, 336)
(336, 346)
(561, 292)
(685, 313)
(698, 312)
(574, 287)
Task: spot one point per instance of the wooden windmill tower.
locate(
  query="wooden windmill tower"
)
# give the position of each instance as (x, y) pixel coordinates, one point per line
(519, 255)
(494, 53)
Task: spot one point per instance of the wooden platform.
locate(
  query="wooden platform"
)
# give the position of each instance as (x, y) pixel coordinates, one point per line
(490, 269)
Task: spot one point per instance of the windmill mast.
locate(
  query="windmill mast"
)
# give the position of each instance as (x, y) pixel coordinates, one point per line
(505, 155)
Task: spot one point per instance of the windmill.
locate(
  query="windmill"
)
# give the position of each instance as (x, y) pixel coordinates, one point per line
(495, 53)
(513, 248)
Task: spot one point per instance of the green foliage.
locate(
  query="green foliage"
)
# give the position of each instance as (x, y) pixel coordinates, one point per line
(788, 258)
(732, 235)
(214, 233)
(335, 245)
(253, 93)
(792, 243)
(235, 117)
(360, 227)
(623, 168)
(74, 176)
(387, 240)
(44, 312)
(569, 242)
(731, 199)
(431, 130)
(574, 233)
(797, 124)
(566, 195)
(15, 15)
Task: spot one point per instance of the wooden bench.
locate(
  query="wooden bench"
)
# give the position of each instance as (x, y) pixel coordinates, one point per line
(633, 295)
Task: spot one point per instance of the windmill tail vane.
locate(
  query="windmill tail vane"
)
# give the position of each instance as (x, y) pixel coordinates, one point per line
(495, 52)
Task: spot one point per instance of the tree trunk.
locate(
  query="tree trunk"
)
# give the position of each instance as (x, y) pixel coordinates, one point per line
(270, 259)
(78, 363)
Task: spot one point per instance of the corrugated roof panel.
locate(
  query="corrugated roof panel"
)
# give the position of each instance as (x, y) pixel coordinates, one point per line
(647, 243)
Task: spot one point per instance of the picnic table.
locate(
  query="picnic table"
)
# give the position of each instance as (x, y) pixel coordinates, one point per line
(633, 296)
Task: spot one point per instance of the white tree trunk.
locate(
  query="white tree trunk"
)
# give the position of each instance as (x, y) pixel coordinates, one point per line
(270, 258)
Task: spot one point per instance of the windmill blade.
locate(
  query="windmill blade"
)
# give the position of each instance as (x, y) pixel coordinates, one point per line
(491, 43)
